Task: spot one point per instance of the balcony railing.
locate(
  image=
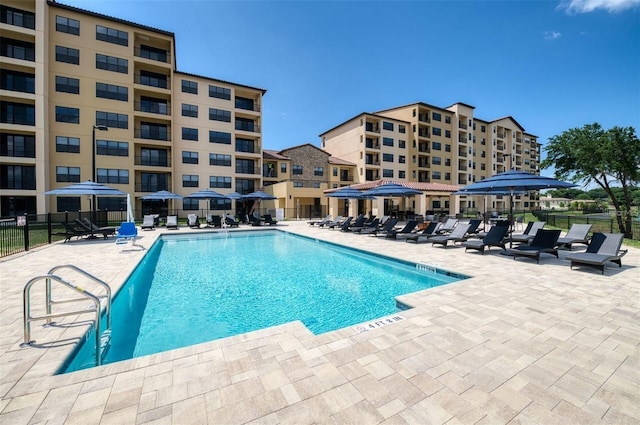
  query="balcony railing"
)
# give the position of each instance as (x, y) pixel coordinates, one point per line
(153, 107)
(501, 135)
(145, 80)
(462, 125)
(164, 135)
(424, 133)
(250, 127)
(156, 54)
(152, 162)
(372, 128)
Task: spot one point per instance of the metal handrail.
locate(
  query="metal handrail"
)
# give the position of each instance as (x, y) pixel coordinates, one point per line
(26, 300)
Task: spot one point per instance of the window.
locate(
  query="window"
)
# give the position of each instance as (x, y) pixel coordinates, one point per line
(447, 147)
(111, 35)
(283, 167)
(219, 92)
(189, 133)
(245, 145)
(68, 174)
(447, 119)
(189, 110)
(67, 85)
(17, 49)
(67, 55)
(387, 173)
(17, 177)
(17, 81)
(436, 131)
(112, 203)
(296, 169)
(447, 176)
(112, 119)
(17, 113)
(67, 144)
(154, 105)
(436, 160)
(189, 180)
(17, 17)
(483, 128)
(245, 166)
(17, 145)
(219, 137)
(153, 53)
(189, 87)
(402, 144)
(387, 125)
(112, 63)
(221, 182)
(67, 203)
(189, 157)
(402, 159)
(387, 157)
(190, 204)
(66, 114)
(153, 131)
(153, 79)
(387, 141)
(220, 159)
(298, 184)
(112, 176)
(244, 103)
(435, 175)
(402, 174)
(436, 116)
(245, 124)
(318, 171)
(447, 134)
(67, 25)
(436, 146)
(219, 115)
(402, 129)
(111, 91)
(447, 162)
(112, 148)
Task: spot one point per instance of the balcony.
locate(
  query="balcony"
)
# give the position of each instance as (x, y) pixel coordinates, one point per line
(162, 134)
(152, 162)
(424, 118)
(462, 139)
(161, 82)
(370, 161)
(423, 132)
(423, 164)
(462, 125)
(162, 108)
(462, 153)
(244, 125)
(501, 135)
(372, 144)
(247, 104)
(372, 128)
(152, 53)
(424, 148)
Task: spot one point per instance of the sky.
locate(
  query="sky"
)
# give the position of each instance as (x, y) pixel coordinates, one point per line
(551, 65)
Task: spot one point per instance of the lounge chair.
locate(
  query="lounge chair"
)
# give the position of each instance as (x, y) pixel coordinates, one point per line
(253, 220)
(370, 225)
(448, 226)
(358, 223)
(231, 221)
(408, 228)
(214, 221)
(72, 232)
(338, 223)
(494, 237)
(424, 234)
(193, 221)
(345, 224)
(474, 225)
(127, 231)
(603, 248)
(268, 219)
(338, 219)
(578, 233)
(320, 222)
(459, 234)
(88, 226)
(544, 242)
(529, 233)
(387, 226)
(172, 222)
(148, 223)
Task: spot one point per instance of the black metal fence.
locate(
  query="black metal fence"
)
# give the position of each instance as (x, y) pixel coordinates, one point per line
(599, 222)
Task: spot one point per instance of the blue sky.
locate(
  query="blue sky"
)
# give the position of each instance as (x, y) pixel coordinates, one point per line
(552, 65)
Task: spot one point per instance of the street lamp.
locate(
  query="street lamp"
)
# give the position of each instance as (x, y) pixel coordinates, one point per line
(93, 157)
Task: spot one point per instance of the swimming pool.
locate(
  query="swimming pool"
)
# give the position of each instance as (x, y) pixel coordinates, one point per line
(199, 287)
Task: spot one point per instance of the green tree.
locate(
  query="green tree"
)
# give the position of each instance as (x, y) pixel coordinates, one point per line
(593, 155)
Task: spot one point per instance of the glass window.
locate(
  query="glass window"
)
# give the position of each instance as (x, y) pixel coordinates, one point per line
(283, 167)
(189, 87)
(402, 174)
(220, 159)
(111, 35)
(17, 17)
(68, 174)
(111, 91)
(436, 146)
(66, 114)
(402, 144)
(67, 25)
(219, 115)
(435, 175)
(153, 53)
(17, 81)
(245, 166)
(436, 160)
(17, 49)
(112, 148)
(402, 159)
(387, 157)
(67, 55)
(189, 180)
(112, 176)
(220, 182)
(17, 113)
(387, 173)
(67, 203)
(296, 169)
(189, 133)
(447, 134)
(436, 116)
(436, 131)
(219, 137)
(189, 110)
(387, 141)
(189, 157)
(112, 119)
(387, 125)
(112, 63)
(67, 85)
(17, 145)
(318, 171)
(67, 144)
(219, 92)
(245, 145)
(402, 128)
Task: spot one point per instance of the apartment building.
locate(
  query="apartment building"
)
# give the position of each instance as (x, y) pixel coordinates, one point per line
(86, 96)
(425, 143)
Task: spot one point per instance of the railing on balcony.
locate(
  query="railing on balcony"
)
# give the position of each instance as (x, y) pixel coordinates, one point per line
(155, 54)
(247, 126)
(247, 104)
(153, 134)
(462, 125)
(372, 128)
(369, 161)
(423, 164)
(152, 162)
(424, 118)
(346, 177)
(462, 167)
(150, 81)
(462, 139)
(372, 145)
(153, 107)
(501, 135)
(423, 133)
(462, 153)
(424, 148)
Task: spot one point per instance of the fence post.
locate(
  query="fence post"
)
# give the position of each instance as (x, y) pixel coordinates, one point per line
(49, 228)
(26, 232)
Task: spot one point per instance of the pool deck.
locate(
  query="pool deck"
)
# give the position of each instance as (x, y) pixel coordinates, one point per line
(518, 343)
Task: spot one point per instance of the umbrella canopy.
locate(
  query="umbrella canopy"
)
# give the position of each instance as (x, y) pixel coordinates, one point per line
(86, 188)
(392, 189)
(161, 195)
(234, 195)
(348, 193)
(258, 196)
(207, 194)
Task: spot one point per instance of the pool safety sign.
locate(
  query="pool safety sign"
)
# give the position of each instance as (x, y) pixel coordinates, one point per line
(364, 327)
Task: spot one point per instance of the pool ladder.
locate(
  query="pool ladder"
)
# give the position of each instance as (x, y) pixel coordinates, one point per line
(102, 339)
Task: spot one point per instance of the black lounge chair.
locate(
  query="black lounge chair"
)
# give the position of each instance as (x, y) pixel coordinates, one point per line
(529, 233)
(387, 226)
(423, 235)
(367, 225)
(474, 225)
(231, 221)
(320, 222)
(88, 226)
(336, 223)
(71, 232)
(578, 233)
(459, 234)
(408, 228)
(214, 221)
(603, 248)
(494, 237)
(544, 242)
(358, 223)
(268, 219)
(253, 220)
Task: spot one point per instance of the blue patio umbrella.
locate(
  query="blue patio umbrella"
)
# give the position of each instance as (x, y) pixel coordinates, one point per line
(86, 188)
(258, 196)
(207, 194)
(161, 195)
(391, 190)
(348, 193)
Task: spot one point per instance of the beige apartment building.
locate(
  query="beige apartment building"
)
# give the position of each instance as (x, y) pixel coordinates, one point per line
(425, 143)
(86, 96)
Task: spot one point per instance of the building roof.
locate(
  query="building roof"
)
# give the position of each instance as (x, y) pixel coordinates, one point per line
(339, 161)
(509, 117)
(221, 81)
(271, 154)
(363, 114)
(282, 152)
(428, 188)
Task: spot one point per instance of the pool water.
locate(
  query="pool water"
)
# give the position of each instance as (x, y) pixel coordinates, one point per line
(195, 288)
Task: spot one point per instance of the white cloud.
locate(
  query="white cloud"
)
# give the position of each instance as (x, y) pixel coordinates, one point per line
(551, 35)
(586, 6)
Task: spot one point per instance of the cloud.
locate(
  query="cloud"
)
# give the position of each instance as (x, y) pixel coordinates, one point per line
(586, 6)
(551, 35)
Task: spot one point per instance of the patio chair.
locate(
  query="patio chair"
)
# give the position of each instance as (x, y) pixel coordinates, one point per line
(389, 224)
(474, 225)
(172, 222)
(268, 219)
(370, 225)
(544, 242)
(529, 233)
(71, 232)
(408, 228)
(92, 229)
(127, 232)
(148, 223)
(494, 237)
(448, 226)
(338, 219)
(193, 221)
(358, 223)
(459, 234)
(578, 233)
(603, 248)
(345, 224)
(338, 223)
(320, 222)
(214, 220)
(424, 234)
(253, 220)
(231, 221)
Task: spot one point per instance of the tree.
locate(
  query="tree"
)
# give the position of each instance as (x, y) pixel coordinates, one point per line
(593, 155)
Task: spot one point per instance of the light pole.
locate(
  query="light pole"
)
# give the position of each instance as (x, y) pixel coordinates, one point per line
(93, 158)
